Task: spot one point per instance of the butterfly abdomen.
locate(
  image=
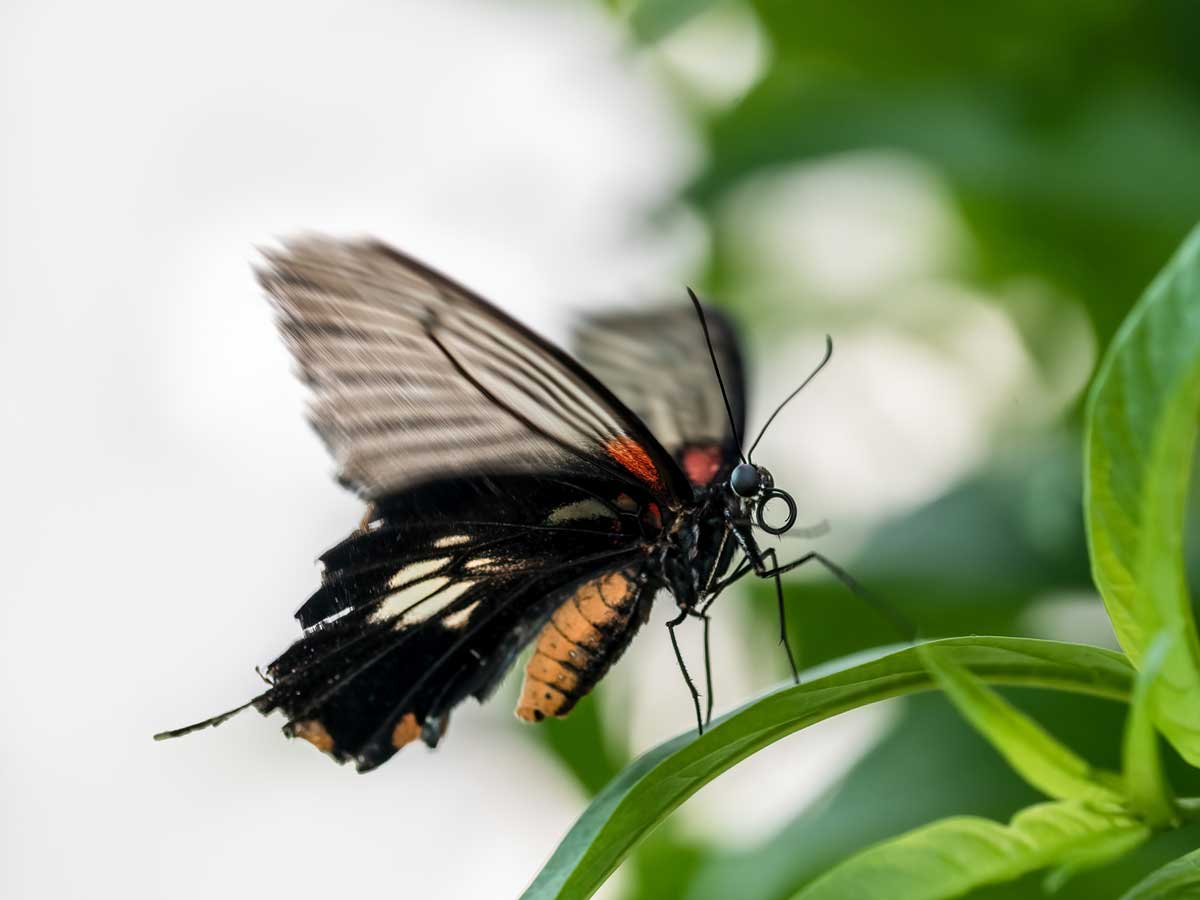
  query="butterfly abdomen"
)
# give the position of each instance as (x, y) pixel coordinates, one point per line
(584, 637)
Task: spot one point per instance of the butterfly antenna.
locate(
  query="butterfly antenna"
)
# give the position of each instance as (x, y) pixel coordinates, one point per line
(737, 439)
(788, 399)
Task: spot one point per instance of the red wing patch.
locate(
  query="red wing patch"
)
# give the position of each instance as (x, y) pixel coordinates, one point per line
(632, 456)
(701, 463)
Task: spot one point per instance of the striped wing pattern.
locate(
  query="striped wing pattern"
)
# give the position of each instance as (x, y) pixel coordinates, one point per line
(415, 378)
(657, 363)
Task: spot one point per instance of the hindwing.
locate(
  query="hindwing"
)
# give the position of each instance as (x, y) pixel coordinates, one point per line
(657, 363)
(413, 617)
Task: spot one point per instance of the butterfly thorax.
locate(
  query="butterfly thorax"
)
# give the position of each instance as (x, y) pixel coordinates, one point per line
(694, 552)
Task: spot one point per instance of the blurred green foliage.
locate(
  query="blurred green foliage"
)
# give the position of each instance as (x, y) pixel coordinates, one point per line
(1068, 134)
(1067, 137)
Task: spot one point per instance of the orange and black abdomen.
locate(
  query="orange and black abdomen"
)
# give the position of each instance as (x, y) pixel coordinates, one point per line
(583, 638)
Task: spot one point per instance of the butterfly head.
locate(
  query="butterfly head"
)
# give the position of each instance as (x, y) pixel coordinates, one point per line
(754, 484)
(749, 480)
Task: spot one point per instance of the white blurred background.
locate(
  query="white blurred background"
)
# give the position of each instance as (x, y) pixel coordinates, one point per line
(164, 499)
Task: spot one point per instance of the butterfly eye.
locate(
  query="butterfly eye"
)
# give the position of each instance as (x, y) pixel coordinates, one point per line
(761, 512)
(745, 480)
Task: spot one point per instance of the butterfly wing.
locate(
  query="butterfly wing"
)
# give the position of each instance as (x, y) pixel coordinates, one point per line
(657, 363)
(415, 378)
(503, 479)
(415, 615)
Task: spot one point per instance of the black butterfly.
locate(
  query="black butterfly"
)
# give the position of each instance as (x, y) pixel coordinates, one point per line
(514, 496)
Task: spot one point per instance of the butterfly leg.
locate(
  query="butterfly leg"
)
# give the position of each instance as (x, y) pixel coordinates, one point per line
(756, 561)
(671, 626)
(783, 632)
(702, 613)
(761, 569)
(708, 679)
(743, 569)
(898, 621)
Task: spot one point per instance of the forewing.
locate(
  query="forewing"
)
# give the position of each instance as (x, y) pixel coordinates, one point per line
(416, 379)
(657, 363)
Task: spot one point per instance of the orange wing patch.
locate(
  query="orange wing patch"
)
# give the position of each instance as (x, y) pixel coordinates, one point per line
(313, 732)
(406, 731)
(633, 456)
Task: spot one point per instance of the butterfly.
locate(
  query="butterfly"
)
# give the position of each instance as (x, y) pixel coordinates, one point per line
(517, 496)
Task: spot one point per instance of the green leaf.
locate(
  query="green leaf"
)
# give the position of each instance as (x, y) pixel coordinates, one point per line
(1141, 433)
(951, 857)
(1146, 783)
(924, 779)
(1178, 880)
(658, 782)
(1037, 756)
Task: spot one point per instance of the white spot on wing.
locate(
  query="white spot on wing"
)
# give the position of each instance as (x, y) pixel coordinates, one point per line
(423, 611)
(580, 509)
(479, 562)
(408, 599)
(451, 540)
(459, 619)
(417, 571)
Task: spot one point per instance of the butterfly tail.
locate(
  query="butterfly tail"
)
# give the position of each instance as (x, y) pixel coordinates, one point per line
(207, 723)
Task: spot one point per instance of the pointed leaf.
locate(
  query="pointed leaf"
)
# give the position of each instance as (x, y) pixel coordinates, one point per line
(656, 783)
(1036, 755)
(1141, 431)
(925, 779)
(1178, 880)
(951, 857)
